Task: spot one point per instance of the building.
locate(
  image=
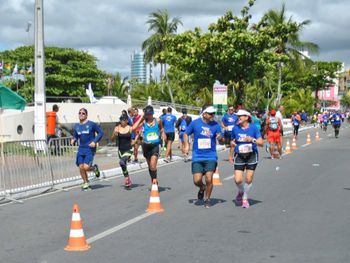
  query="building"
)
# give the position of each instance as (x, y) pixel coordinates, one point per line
(138, 67)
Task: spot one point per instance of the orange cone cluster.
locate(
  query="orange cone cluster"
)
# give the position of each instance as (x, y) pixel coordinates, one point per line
(216, 177)
(317, 137)
(76, 241)
(288, 149)
(308, 139)
(154, 205)
(294, 144)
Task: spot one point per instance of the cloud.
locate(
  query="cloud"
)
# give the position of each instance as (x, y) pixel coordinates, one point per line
(112, 30)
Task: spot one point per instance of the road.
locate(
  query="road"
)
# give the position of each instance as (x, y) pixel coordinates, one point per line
(300, 212)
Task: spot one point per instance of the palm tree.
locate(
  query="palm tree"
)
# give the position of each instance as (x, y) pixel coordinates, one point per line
(288, 44)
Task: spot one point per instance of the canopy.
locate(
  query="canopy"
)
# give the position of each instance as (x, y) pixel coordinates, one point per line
(10, 99)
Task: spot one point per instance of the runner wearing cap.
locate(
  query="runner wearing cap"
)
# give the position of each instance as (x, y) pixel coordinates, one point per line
(152, 131)
(295, 119)
(182, 123)
(228, 121)
(245, 137)
(273, 130)
(204, 156)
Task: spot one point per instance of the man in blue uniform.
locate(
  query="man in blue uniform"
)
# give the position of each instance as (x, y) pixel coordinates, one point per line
(204, 156)
(168, 121)
(182, 123)
(336, 118)
(88, 133)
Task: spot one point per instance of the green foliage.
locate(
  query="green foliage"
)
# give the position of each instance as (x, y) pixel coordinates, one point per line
(299, 100)
(345, 101)
(68, 71)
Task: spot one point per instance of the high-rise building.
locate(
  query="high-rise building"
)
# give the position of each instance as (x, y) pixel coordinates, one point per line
(138, 67)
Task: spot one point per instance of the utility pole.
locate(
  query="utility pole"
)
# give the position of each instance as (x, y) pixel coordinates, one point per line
(40, 90)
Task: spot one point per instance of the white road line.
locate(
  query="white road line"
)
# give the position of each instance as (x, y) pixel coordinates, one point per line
(304, 145)
(228, 178)
(117, 228)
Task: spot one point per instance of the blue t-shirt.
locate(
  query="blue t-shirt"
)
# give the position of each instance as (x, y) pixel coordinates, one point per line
(86, 133)
(183, 126)
(257, 122)
(336, 119)
(204, 143)
(229, 120)
(168, 121)
(325, 118)
(238, 134)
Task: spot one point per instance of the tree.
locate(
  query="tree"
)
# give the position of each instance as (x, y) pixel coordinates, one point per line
(67, 71)
(298, 101)
(287, 43)
(161, 26)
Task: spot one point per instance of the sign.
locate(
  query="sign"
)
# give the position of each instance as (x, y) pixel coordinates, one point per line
(219, 94)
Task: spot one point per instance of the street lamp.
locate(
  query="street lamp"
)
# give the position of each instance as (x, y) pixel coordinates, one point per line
(29, 24)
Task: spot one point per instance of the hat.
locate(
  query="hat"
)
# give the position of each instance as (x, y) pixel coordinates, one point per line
(209, 109)
(272, 112)
(243, 113)
(149, 110)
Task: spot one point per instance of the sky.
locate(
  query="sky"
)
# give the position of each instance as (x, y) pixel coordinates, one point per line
(112, 30)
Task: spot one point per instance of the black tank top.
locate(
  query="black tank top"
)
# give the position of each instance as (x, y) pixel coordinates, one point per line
(124, 142)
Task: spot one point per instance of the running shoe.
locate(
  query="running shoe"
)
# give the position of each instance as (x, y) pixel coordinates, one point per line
(207, 203)
(128, 182)
(200, 194)
(167, 159)
(267, 147)
(239, 197)
(85, 187)
(97, 171)
(245, 203)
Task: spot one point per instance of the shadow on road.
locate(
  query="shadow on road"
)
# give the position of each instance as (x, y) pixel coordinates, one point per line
(213, 201)
(251, 202)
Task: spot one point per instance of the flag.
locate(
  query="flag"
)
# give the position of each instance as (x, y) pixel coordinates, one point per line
(90, 94)
(15, 70)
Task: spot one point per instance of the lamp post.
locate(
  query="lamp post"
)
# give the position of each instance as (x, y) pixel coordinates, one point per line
(39, 58)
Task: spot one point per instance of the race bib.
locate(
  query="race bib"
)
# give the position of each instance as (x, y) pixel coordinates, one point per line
(230, 127)
(152, 136)
(337, 118)
(204, 143)
(245, 148)
(296, 123)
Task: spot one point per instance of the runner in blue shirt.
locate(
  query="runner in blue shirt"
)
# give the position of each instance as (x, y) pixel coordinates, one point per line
(181, 125)
(204, 156)
(169, 121)
(245, 139)
(336, 117)
(325, 118)
(228, 121)
(85, 132)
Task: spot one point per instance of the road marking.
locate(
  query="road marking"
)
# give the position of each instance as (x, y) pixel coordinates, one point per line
(118, 227)
(228, 178)
(304, 145)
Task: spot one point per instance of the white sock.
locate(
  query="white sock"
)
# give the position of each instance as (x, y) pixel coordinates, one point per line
(240, 187)
(247, 188)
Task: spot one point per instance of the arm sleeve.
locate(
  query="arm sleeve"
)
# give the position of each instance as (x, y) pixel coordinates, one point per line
(99, 133)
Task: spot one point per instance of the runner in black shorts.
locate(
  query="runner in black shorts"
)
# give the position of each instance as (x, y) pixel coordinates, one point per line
(245, 139)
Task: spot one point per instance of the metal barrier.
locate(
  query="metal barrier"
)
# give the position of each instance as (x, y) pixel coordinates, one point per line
(25, 166)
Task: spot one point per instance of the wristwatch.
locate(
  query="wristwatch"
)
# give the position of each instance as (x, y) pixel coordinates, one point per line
(254, 140)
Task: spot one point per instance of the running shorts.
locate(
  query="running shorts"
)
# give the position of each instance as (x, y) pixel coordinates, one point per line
(203, 166)
(274, 136)
(84, 158)
(170, 136)
(227, 137)
(247, 161)
(150, 149)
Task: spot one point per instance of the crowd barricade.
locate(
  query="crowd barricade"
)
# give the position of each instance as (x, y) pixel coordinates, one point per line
(25, 166)
(2, 161)
(62, 160)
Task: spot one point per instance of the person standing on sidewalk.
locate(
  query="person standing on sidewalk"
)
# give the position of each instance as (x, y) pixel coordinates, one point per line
(88, 133)
(123, 133)
(169, 121)
(152, 132)
(245, 139)
(204, 155)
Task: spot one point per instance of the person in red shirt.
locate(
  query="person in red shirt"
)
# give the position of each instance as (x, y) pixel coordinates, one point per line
(273, 129)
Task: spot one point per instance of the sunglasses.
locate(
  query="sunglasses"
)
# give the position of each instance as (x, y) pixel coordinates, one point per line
(82, 113)
(211, 114)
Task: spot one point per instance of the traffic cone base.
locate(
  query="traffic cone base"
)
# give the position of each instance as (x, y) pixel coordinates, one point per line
(317, 136)
(288, 150)
(154, 205)
(308, 140)
(294, 144)
(76, 241)
(216, 178)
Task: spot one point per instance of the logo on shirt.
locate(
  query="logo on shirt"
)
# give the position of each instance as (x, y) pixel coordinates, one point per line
(241, 137)
(206, 132)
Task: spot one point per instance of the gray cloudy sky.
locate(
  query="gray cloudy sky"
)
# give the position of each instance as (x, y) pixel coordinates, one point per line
(113, 29)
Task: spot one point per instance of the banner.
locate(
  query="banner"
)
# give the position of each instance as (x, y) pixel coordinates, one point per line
(219, 94)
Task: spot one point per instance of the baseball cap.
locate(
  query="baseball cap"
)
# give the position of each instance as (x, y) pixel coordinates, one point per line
(149, 110)
(209, 109)
(243, 113)
(272, 112)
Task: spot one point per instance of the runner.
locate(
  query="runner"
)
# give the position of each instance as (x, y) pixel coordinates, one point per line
(256, 120)
(137, 134)
(169, 126)
(204, 156)
(273, 130)
(85, 132)
(228, 121)
(295, 119)
(336, 117)
(325, 121)
(123, 134)
(181, 125)
(245, 139)
(152, 131)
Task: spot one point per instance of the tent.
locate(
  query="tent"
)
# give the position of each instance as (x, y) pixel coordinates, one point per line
(10, 99)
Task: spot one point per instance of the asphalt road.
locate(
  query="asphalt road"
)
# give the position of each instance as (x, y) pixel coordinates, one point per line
(299, 213)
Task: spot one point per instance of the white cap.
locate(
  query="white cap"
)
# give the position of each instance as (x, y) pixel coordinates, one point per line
(209, 109)
(243, 113)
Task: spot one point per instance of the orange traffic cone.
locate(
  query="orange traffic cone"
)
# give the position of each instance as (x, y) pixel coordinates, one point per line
(76, 241)
(154, 205)
(308, 139)
(288, 150)
(317, 137)
(216, 177)
(294, 144)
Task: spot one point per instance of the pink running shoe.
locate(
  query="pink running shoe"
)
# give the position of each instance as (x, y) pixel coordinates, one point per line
(245, 203)
(239, 198)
